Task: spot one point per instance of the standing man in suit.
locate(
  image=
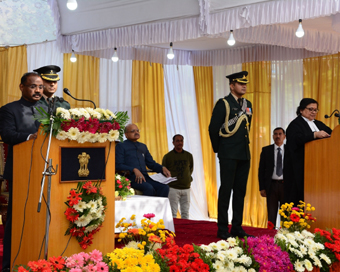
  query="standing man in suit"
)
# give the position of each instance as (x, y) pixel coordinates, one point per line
(17, 125)
(51, 78)
(271, 173)
(229, 135)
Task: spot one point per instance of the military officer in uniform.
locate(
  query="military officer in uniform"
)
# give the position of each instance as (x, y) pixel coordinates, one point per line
(50, 79)
(229, 135)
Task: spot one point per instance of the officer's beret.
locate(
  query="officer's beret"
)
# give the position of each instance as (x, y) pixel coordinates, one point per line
(49, 72)
(238, 77)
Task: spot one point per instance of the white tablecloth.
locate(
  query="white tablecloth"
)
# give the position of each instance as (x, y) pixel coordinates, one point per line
(140, 205)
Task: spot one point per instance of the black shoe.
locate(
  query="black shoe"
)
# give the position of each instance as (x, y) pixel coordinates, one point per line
(240, 234)
(223, 234)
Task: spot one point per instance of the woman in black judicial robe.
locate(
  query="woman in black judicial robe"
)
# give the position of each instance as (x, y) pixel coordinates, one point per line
(304, 128)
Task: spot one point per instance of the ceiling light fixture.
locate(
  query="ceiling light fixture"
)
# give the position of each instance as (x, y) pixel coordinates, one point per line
(72, 4)
(115, 56)
(73, 57)
(231, 41)
(299, 32)
(171, 54)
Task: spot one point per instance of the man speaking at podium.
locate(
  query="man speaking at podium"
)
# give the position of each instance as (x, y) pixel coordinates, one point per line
(17, 125)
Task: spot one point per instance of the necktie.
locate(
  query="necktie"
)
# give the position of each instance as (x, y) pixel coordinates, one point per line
(239, 101)
(279, 163)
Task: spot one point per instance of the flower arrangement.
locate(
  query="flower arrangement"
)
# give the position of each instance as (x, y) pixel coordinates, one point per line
(187, 258)
(84, 124)
(331, 240)
(231, 255)
(304, 252)
(123, 187)
(131, 259)
(149, 237)
(269, 255)
(86, 212)
(296, 218)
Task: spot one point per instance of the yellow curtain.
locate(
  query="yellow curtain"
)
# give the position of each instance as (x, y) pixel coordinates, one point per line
(82, 79)
(13, 64)
(203, 77)
(259, 94)
(148, 107)
(321, 78)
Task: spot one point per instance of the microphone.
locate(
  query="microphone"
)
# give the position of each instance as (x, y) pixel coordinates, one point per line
(336, 115)
(68, 93)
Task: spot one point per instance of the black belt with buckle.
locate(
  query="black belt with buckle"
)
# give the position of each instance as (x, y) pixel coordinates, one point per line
(278, 180)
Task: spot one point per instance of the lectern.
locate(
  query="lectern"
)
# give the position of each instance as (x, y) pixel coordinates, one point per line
(322, 180)
(28, 166)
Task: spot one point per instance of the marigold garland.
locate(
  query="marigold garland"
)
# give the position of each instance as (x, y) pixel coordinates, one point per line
(86, 212)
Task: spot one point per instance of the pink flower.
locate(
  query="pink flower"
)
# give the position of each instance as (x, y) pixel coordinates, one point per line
(96, 256)
(126, 179)
(101, 266)
(120, 186)
(295, 209)
(90, 268)
(118, 181)
(149, 215)
(75, 270)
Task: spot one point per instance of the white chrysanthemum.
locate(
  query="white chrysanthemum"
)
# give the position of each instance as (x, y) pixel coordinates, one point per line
(80, 206)
(75, 113)
(157, 246)
(320, 246)
(73, 133)
(244, 259)
(299, 266)
(118, 176)
(93, 138)
(220, 256)
(311, 253)
(214, 246)
(325, 258)
(83, 221)
(84, 113)
(223, 244)
(132, 191)
(205, 247)
(113, 135)
(111, 115)
(102, 137)
(92, 205)
(308, 265)
(62, 135)
(251, 270)
(298, 253)
(91, 228)
(83, 137)
(238, 250)
(230, 265)
(307, 234)
(96, 114)
(100, 201)
(232, 241)
(316, 261)
(309, 242)
(132, 244)
(231, 254)
(290, 237)
(298, 235)
(280, 236)
(240, 269)
(218, 265)
(303, 249)
(63, 113)
(293, 243)
(90, 111)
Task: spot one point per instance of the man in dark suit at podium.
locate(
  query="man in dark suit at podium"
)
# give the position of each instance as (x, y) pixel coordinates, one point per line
(271, 174)
(17, 125)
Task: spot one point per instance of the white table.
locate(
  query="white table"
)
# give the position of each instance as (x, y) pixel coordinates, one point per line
(139, 205)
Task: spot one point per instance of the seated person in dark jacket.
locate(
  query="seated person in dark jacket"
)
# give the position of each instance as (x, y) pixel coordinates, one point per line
(135, 157)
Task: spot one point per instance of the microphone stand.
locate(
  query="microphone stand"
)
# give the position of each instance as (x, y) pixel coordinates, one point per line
(48, 173)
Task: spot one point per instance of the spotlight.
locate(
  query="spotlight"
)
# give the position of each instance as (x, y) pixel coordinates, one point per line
(73, 57)
(231, 41)
(72, 4)
(115, 56)
(171, 54)
(299, 32)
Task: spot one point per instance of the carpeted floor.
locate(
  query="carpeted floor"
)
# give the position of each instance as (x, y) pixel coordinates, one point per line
(187, 232)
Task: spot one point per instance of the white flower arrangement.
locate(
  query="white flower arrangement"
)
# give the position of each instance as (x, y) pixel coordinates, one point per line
(228, 256)
(303, 251)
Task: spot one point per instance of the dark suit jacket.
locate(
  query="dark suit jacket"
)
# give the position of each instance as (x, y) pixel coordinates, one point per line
(130, 155)
(267, 167)
(16, 124)
(236, 146)
(298, 133)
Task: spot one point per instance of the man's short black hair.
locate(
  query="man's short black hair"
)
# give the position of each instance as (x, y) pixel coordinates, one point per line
(278, 128)
(26, 75)
(173, 138)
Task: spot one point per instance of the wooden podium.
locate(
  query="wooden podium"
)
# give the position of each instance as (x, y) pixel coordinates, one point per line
(322, 180)
(34, 223)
